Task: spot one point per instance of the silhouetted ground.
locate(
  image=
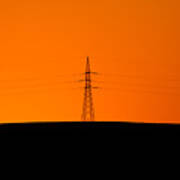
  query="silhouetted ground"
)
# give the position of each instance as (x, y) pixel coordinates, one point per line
(89, 128)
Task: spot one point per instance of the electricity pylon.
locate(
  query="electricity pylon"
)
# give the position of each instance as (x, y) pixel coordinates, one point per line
(88, 108)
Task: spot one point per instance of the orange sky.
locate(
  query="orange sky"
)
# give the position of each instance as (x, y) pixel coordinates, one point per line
(134, 44)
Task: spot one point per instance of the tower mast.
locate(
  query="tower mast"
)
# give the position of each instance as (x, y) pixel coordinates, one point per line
(88, 108)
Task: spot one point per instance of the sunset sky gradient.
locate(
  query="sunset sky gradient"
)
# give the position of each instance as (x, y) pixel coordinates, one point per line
(133, 44)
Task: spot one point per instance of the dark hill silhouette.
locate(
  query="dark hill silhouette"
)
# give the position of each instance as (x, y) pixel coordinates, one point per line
(89, 128)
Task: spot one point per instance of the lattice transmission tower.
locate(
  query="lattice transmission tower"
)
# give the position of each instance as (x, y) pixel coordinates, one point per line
(88, 112)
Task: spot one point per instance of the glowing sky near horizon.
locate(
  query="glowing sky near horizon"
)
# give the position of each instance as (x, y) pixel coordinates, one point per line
(133, 44)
